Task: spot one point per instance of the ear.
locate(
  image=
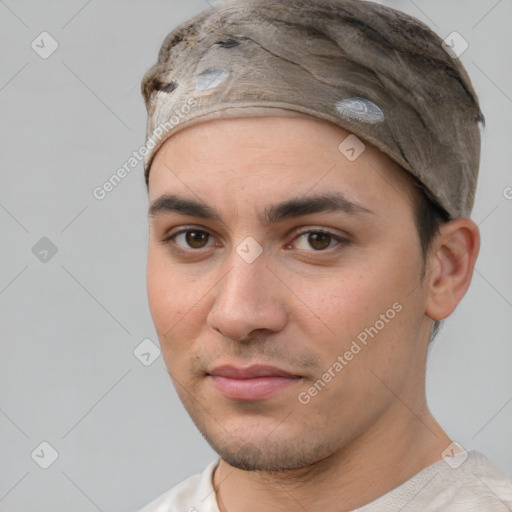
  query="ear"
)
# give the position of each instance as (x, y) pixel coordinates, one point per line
(450, 266)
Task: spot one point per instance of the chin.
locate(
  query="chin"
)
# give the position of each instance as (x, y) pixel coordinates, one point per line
(268, 453)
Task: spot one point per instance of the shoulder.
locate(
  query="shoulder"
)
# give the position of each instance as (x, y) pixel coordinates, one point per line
(194, 494)
(467, 482)
(474, 485)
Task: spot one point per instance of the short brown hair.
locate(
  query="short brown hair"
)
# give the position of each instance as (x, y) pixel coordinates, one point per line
(428, 216)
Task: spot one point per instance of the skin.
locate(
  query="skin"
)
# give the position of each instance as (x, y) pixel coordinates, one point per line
(299, 306)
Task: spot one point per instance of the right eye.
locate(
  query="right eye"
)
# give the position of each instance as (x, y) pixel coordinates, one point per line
(188, 239)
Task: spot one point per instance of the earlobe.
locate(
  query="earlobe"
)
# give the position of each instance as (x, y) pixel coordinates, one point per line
(450, 266)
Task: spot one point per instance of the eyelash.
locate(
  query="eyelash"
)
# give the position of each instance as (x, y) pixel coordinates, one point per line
(169, 240)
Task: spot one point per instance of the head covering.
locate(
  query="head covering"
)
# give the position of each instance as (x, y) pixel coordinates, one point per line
(372, 70)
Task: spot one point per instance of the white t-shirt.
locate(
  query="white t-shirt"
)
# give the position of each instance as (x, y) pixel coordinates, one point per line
(467, 482)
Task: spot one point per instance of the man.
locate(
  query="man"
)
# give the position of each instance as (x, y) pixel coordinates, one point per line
(309, 229)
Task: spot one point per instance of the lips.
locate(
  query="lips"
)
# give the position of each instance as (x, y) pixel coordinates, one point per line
(249, 372)
(253, 383)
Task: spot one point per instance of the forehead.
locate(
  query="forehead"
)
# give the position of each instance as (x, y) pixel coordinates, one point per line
(274, 156)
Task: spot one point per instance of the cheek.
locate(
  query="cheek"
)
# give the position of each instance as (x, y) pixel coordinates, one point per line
(167, 296)
(378, 313)
(372, 301)
(161, 289)
(178, 300)
(343, 304)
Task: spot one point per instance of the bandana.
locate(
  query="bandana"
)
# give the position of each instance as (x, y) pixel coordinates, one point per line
(372, 70)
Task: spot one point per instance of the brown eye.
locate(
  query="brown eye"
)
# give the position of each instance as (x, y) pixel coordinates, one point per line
(189, 241)
(319, 241)
(196, 239)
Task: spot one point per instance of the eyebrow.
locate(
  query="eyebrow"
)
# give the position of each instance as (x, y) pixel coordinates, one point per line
(290, 208)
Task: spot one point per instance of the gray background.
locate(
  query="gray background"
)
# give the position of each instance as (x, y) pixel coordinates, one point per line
(70, 324)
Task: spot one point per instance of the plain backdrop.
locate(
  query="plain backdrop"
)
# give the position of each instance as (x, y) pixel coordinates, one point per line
(72, 278)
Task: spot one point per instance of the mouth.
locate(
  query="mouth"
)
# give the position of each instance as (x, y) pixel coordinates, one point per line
(250, 384)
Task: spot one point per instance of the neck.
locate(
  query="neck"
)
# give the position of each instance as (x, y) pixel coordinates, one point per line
(352, 477)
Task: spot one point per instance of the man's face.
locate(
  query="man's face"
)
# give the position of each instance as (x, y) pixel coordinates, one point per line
(288, 331)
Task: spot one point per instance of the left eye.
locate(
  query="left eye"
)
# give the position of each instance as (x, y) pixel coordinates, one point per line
(318, 240)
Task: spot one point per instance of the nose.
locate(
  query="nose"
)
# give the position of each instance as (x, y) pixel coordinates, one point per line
(249, 298)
